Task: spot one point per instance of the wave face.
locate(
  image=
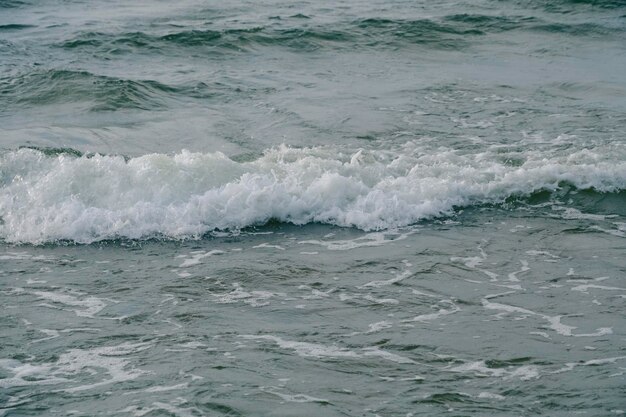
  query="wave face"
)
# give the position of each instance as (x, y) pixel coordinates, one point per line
(57, 195)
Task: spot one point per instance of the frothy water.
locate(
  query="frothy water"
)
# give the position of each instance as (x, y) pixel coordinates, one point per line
(149, 327)
(376, 209)
(89, 198)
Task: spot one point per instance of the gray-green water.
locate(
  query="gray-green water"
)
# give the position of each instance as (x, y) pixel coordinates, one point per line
(312, 209)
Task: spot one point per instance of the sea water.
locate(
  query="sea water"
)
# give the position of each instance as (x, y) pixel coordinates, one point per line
(364, 208)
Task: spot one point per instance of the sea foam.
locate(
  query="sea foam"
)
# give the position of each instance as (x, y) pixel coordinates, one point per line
(84, 199)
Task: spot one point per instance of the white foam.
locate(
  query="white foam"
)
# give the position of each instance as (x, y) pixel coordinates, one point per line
(315, 293)
(524, 268)
(197, 257)
(172, 408)
(370, 239)
(75, 362)
(109, 358)
(541, 253)
(52, 334)
(308, 349)
(480, 368)
(268, 246)
(619, 232)
(434, 316)
(324, 351)
(473, 262)
(491, 396)
(470, 262)
(585, 287)
(296, 398)
(593, 362)
(192, 345)
(46, 198)
(571, 213)
(378, 326)
(25, 374)
(554, 321)
(89, 306)
(421, 293)
(383, 283)
(164, 388)
(383, 354)
(381, 300)
(254, 298)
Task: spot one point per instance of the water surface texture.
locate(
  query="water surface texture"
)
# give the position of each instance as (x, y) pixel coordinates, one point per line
(363, 208)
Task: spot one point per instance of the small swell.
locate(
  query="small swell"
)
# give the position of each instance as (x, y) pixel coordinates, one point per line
(12, 4)
(15, 26)
(580, 29)
(93, 92)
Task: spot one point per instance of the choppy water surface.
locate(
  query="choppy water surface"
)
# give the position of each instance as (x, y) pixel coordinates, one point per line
(288, 209)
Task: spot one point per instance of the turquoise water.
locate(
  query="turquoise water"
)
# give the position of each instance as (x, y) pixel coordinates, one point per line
(293, 209)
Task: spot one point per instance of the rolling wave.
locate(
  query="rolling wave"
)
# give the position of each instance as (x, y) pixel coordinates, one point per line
(55, 195)
(448, 32)
(217, 42)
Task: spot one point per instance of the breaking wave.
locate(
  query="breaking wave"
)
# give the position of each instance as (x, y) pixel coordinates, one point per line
(53, 195)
